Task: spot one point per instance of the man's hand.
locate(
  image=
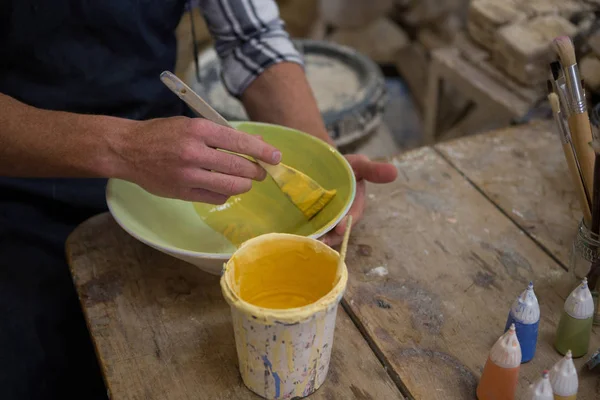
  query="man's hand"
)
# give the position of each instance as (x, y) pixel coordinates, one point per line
(282, 95)
(365, 170)
(178, 158)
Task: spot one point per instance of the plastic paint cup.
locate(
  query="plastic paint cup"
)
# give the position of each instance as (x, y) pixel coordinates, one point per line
(284, 292)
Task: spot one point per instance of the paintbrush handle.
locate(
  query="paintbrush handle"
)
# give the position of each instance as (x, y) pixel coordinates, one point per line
(579, 188)
(344, 248)
(202, 108)
(581, 135)
(595, 227)
(192, 99)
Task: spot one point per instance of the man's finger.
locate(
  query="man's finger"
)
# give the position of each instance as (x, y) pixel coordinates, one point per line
(375, 172)
(243, 143)
(217, 182)
(232, 164)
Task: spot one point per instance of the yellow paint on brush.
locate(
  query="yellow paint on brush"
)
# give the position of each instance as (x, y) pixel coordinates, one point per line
(304, 192)
(572, 397)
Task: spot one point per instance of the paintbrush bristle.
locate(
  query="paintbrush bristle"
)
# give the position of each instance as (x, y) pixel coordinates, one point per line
(304, 192)
(554, 102)
(563, 46)
(324, 199)
(555, 68)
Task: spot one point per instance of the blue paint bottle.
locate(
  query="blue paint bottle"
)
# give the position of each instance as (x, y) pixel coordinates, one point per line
(525, 314)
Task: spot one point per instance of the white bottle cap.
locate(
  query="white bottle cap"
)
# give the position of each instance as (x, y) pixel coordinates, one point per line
(506, 352)
(541, 389)
(563, 376)
(580, 304)
(526, 309)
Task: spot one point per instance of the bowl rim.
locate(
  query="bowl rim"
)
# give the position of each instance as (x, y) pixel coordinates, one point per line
(225, 256)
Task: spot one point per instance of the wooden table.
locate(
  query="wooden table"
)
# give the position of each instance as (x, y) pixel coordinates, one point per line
(460, 233)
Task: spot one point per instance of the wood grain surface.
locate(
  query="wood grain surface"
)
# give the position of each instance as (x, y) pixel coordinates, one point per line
(454, 265)
(434, 267)
(524, 172)
(163, 331)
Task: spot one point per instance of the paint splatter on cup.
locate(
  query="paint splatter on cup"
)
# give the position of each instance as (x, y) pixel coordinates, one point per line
(284, 292)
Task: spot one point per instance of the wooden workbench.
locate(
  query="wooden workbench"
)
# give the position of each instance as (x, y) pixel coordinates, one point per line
(460, 233)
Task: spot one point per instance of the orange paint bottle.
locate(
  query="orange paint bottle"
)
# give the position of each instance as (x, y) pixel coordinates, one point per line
(501, 372)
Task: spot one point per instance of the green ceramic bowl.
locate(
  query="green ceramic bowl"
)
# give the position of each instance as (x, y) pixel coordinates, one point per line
(196, 232)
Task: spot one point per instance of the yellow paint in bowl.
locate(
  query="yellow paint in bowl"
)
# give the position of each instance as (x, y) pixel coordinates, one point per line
(206, 235)
(265, 209)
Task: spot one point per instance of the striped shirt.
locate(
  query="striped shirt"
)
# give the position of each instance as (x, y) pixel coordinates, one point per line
(249, 37)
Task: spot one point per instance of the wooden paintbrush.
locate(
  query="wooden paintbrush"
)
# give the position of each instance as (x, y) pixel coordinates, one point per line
(304, 192)
(594, 272)
(560, 88)
(344, 248)
(582, 195)
(579, 124)
(595, 226)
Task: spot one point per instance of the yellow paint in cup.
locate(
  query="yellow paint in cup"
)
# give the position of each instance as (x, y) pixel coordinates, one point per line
(284, 291)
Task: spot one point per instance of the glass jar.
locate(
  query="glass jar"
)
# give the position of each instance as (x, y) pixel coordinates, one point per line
(585, 252)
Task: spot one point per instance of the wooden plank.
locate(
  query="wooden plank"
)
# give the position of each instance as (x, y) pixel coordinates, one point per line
(524, 172)
(434, 267)
(162, 329)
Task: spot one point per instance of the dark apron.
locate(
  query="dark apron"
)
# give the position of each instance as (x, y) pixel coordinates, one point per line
(96, 57)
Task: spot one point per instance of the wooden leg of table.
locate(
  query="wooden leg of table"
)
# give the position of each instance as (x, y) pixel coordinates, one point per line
(432, 101)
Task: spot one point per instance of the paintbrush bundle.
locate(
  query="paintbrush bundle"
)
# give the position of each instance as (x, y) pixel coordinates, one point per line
(577, 131)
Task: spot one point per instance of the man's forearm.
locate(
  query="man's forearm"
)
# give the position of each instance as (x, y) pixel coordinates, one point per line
(42, 143)
(282, 95)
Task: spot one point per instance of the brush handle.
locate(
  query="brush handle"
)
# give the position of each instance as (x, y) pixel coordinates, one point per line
(561, 90)
(344, 248)
(579, 188)
(202, 108)
(192, 99)
(581, 135)
(595, 227)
